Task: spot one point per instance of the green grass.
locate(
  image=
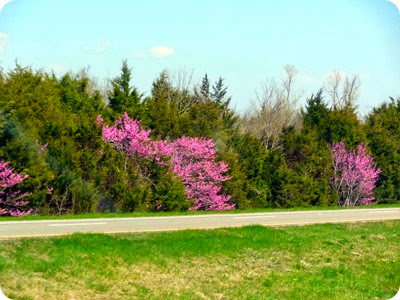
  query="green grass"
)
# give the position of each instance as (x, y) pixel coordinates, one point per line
(178, 213)
(347, 261)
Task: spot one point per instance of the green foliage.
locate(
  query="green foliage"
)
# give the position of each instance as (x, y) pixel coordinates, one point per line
(252, 160)
(38, 110)
(48, 130)
(220, 98)
(332, 125)
(308, 156)
(344, 125)
(237, 186)
(23, 151)
(204, 93)
(169, 194)
(170, 112)
(316, 112)
(204, 120)
(123, 97)
(133, 200)
(161, 114)
(383, 132)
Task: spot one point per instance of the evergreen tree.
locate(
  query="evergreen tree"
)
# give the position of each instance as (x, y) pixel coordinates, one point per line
(344, 125)
(219, 92)
(123, 97)
(204, 93)
(161, 111)
(316, 111)
(219, 97)
(48, 131)
(309, 164)
(162, 86)
(252, 159)
(383, 132)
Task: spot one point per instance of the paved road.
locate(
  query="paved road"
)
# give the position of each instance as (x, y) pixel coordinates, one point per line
(15, 229)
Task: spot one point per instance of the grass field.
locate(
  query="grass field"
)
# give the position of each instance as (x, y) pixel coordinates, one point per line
(349, 261)
(178, 213)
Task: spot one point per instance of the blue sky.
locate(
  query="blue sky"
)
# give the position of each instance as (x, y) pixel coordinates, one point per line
(245, 42)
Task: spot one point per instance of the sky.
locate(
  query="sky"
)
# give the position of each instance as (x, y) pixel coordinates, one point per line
(244, 42)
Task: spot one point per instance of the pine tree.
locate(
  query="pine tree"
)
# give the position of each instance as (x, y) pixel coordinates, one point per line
(383, 132)
(205, 94)
(316, 111)
(219, 97)
(124, 97)
(161, 111)
(161, 87)
(219, 92)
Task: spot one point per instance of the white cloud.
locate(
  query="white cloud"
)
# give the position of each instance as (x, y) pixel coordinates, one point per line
(161, 51)
(3, 3)
(3, 42)
(155, 51)
(98, 47)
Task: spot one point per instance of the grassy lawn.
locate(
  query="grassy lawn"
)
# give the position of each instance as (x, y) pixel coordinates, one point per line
(179, 213)
(349, 261)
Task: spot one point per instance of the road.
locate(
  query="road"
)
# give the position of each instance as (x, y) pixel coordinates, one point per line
(42, 228)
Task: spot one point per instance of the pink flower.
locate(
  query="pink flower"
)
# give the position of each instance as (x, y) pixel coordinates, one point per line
(191, 159)
(355, 175)
(10, 200)
(99, 120)
(194, 161)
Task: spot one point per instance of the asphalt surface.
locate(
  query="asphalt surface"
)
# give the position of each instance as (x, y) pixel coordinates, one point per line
(42, 228)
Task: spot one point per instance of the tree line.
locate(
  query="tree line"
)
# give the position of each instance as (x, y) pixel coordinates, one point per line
(75, 149)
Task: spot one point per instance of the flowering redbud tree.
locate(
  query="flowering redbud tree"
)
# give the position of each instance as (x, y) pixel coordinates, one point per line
(355, 175)
(10, 200)
(127, 136)
(191, 159)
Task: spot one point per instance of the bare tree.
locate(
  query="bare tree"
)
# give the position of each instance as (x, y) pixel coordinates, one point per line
(287, 82)
(104, 90)
(60, 202)
(275, 109)
(342, 89)
(181, 80)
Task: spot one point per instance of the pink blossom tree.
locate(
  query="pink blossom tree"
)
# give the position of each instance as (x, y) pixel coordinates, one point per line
(10, 199)
(191, 159)
(355, 175)
(127, 136)
(194, 161)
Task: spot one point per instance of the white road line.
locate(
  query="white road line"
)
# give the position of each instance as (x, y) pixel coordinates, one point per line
(76, 224)
(254, 217)
(383, 212)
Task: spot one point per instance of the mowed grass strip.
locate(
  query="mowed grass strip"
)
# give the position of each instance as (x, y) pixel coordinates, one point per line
(348, 261)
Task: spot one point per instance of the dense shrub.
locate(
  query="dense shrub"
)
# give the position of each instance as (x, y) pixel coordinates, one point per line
(49, 131)
(383, 132)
